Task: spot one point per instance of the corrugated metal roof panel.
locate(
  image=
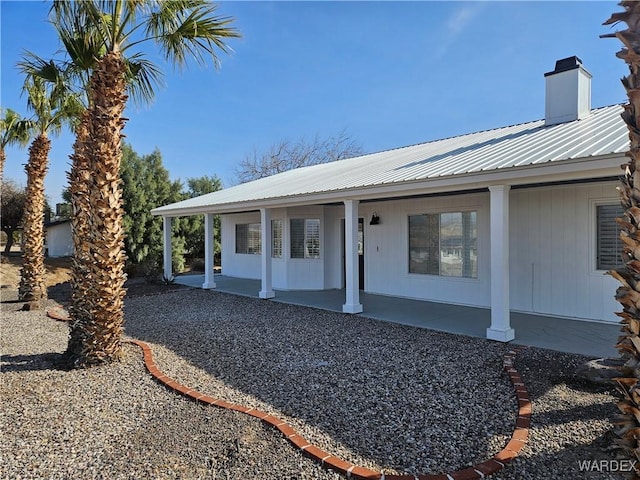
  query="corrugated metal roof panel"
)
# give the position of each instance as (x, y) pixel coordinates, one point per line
(532, 143)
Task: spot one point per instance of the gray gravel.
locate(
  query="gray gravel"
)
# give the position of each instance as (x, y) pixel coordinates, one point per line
(384, 396)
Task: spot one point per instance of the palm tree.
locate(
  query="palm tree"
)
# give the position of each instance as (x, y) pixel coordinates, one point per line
(182, 30)
(84, 48)
(13, 130)
(627, 424)
(52, 106)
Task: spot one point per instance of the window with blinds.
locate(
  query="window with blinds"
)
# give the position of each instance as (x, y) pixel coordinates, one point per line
(444, 244)
(248, 238)
(305, 238)
(609, 245)
(276, 238)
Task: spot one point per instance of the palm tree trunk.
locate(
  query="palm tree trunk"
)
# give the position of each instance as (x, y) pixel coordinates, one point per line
(79, 177)
(32, 281)
(101, 332)
(627, 424)
(3, 157)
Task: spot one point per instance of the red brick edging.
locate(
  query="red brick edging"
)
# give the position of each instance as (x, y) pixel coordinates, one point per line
(478, 471)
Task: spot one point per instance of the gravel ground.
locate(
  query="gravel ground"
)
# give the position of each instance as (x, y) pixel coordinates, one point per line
(384, 396)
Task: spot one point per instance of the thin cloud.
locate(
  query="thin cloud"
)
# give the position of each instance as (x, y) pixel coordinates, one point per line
(461, 18)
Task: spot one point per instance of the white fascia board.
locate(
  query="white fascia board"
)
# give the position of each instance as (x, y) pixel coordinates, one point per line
(566, 170)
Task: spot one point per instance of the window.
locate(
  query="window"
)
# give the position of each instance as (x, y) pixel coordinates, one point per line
(609, 245)
(248, 238)
(305, 238)
(276, 238)
(444, 244)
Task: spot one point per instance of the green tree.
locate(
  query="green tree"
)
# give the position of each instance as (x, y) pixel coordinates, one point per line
(182, 30)
(13, 199)
(192, 228)
(146, 185)
(63, 210)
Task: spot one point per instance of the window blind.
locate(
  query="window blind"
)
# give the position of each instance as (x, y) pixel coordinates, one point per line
(609, 248)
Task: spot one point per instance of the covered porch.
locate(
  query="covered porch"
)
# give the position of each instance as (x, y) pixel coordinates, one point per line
(595, 339)
(347, 246)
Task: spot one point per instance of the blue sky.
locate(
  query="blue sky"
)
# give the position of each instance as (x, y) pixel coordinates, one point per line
(388, 73)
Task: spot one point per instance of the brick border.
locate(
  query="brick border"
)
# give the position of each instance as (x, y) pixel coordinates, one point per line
(481, 470)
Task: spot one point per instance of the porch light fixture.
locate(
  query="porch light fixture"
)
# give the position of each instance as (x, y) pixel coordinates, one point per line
(375, 219)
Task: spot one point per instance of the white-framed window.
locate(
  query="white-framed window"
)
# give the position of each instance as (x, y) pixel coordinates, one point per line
(608, 243)
(276, 238)
(444, 244)
(305, 238)
(248, 238)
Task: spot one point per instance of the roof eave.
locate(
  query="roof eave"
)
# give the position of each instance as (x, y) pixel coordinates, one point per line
(602, 166)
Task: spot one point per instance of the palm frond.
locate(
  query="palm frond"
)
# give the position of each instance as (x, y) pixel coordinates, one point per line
(190, 29)
(85, 16)
(80, 41)
(68, 114)
(183, 29)
(14, 129)
(33, 65)
(49, 94)
(142, 76)
(55, 74)
(37, 101)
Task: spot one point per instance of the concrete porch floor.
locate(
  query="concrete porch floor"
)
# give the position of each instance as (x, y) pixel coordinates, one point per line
(594, 339)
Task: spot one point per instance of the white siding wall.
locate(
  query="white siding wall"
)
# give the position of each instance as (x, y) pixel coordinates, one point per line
(553, 252)
(238, 264)
(59, 241)
(287, 273)
(334, 248)
(305, 273)
(387, 251)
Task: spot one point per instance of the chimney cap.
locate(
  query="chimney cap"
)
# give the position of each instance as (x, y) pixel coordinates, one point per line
(565, 64)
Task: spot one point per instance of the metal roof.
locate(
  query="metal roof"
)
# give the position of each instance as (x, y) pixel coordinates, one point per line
(505, 149)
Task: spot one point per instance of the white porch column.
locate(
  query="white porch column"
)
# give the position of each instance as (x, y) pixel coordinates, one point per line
(209, 245)
(352, 301)
(265, 258)
(500, 328)
(166, 243)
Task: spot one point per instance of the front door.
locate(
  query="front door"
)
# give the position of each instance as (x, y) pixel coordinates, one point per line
(360, 253)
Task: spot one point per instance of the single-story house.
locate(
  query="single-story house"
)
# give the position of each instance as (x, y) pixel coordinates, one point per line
(518, 218)
(59, 242)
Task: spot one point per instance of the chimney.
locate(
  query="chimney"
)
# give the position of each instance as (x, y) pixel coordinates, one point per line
(568, 92)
